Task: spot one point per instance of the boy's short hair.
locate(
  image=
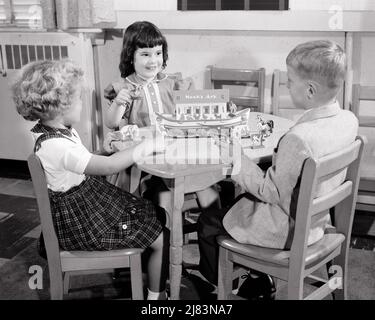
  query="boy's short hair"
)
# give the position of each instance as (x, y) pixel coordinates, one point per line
(43, 89)
(322, 60)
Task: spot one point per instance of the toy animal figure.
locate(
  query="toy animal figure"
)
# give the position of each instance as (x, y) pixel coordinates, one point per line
(256, 141)
(265, 127)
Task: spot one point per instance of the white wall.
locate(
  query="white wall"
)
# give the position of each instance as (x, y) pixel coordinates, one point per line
(364, 66)
(327, 4)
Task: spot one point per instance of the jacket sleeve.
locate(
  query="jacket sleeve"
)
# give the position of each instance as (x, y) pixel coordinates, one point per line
(280, 179)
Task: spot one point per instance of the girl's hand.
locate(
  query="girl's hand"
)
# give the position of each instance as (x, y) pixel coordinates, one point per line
(156, 144)
(110, 138)
(124, 98)
(107, 143)
(184, 84)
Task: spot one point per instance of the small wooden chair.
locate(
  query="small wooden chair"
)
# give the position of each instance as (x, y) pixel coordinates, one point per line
(302, 261)
(246, 86)
(282, 104)
(62, 263)
(366, 189)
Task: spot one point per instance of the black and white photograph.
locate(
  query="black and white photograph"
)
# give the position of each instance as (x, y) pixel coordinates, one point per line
(190, 151)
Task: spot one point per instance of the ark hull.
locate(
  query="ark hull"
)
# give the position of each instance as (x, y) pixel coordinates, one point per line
(201, 127)
(169, 122)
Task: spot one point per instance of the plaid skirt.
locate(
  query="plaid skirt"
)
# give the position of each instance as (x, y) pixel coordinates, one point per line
(97, 215)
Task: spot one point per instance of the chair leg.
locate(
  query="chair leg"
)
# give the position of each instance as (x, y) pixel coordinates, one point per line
(66, 277)
(136, 277)
(56, 285)
(339, 265)
(186, 239)
(295, 287)
(186, 235)
(225, 275)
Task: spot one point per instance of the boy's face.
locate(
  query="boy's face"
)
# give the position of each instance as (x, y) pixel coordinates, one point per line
(148, 62)
(298, 89)
(73, 114)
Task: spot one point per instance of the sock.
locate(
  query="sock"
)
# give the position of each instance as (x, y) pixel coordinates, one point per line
(156, 295)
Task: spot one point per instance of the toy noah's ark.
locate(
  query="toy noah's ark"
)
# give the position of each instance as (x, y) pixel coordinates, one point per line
(203, 113)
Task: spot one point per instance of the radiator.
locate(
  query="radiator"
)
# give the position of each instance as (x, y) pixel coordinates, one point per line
(16, 50)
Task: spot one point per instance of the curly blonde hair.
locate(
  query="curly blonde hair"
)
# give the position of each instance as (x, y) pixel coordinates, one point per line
(44, 89)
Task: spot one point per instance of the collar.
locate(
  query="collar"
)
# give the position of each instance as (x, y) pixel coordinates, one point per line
(134, 80)
(41, 128)
(326, 111)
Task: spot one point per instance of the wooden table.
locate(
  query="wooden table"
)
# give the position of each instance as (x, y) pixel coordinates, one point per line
(182, 178)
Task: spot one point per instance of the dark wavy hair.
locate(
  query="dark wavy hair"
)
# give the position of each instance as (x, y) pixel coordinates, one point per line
(140, 34)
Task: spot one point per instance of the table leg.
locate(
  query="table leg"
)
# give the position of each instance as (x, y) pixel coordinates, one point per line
(176, 239)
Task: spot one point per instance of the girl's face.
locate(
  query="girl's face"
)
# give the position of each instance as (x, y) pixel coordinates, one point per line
(73, 114)
(148, 62)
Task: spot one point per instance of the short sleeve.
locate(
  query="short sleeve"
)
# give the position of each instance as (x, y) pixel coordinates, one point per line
(76, 158)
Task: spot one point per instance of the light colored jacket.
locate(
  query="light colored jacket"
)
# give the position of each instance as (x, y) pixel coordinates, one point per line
(269, 222)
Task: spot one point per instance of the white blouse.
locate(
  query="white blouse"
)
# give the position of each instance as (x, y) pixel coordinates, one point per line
(64, 161)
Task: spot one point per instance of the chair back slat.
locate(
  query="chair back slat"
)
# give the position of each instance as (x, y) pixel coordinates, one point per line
(41, 192)
(333, 163)
(235, 75)
(246, 86)
(367, 93)
(331, 199)
(245, 101)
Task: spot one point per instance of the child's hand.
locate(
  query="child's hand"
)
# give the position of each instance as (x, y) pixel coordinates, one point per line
(110, 138)
(148, 147)
(107, 143)
(130, 131)
(124, 98)
(184, 84)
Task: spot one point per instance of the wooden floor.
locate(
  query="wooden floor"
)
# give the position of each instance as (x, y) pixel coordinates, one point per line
(19, 227)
